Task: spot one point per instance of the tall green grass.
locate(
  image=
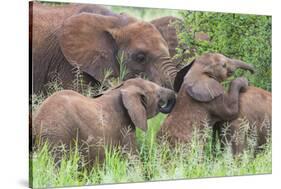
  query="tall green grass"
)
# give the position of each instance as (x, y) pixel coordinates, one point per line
(155, 161)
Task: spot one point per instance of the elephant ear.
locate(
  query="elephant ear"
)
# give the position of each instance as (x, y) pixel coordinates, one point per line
(204, 89)
(132, 100)
(180, 76)
(168, 31)
(86, 43)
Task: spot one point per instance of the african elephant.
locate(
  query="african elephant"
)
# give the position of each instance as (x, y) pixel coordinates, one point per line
(91, 38)
(110, 119)
(201, 97)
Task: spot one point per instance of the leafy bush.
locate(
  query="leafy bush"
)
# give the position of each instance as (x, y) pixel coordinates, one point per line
(244, 37)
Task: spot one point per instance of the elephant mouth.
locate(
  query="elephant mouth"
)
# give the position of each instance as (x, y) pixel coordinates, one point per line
(166, 106)
(230, 73)
(135, 75)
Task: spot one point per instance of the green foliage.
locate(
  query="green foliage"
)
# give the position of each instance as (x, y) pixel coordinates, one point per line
(244, 37)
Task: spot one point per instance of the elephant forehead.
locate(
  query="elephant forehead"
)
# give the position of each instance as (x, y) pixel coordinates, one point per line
(145, 36)
(141, 83)
(215, 57)
(141, 27)
(146, 86)
(218, 57)
(154, 46)
(144, 31)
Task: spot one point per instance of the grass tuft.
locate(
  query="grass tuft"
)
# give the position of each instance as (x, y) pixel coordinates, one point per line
(155, 161)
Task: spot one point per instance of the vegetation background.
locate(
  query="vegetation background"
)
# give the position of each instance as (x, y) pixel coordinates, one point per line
(240, 36)
(246, 37)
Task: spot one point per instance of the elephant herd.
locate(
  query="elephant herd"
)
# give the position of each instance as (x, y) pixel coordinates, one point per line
(89, 38)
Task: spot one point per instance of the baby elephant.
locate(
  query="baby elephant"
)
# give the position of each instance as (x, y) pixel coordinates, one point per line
(201, 97)
(253, 123)
(110, 119)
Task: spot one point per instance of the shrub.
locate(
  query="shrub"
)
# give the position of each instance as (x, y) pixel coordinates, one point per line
(244, 37)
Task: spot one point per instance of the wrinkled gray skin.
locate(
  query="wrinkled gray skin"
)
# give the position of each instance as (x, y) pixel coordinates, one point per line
(201, 97)
(110, 119)
(90, 37)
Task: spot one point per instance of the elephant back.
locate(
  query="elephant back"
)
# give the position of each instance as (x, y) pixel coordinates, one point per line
(255, 104)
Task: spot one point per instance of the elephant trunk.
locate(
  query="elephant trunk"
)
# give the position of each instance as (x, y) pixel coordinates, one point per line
(240, 64)
(169, 72)
(167, 100)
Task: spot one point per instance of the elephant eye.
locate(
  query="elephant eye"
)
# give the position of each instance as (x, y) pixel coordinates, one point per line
(224, 65)
(140, 57)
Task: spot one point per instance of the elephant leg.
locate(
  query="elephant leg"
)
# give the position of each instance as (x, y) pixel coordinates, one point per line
(264, 131)
(238, 137)
(94, 156)
(216, 136)
(232, 136)
(224, 135)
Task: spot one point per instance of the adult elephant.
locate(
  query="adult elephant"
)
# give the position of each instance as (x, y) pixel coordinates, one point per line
(90, 37)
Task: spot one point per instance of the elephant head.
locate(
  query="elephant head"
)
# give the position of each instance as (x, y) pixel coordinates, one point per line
(93, 42)
(204, 74)
(144, 99)
(202, 97)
